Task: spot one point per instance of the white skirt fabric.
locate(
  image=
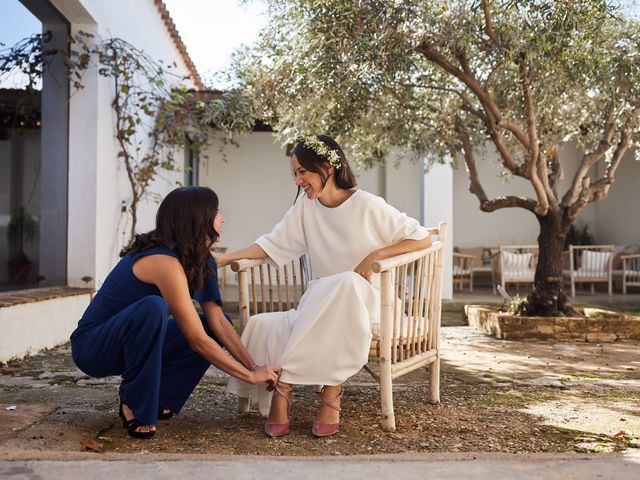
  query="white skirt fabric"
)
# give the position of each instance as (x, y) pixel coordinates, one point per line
(323, 342)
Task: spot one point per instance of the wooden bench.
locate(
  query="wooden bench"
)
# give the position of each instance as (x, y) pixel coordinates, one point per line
(630, 271)
(462, 271)
(410, 305)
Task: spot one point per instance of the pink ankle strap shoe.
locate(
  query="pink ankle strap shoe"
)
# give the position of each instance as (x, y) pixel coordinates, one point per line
(320, 429)
(274, 430)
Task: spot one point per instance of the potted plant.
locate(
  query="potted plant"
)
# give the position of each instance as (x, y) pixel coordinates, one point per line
(22, 229)
(578, 234)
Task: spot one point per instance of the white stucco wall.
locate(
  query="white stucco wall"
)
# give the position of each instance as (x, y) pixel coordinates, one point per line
(438, 185)
(255, 189)
(513, 226)
(254, 186)
(97, 179)
(618, 216)
(609, 221)
(403, 185)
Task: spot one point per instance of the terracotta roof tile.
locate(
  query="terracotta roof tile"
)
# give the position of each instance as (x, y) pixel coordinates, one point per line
(173, 31)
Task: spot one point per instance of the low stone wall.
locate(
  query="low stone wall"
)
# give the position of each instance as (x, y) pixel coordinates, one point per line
(33, 320)
(608, 327)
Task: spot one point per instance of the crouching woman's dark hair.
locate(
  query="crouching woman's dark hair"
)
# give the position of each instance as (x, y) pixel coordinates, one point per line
(184, 223)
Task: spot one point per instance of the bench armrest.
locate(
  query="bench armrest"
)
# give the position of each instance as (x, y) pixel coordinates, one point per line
(245, 263)
(463, 255)
(392, 262)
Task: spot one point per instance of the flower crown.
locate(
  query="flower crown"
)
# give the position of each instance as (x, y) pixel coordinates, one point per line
(314, 143)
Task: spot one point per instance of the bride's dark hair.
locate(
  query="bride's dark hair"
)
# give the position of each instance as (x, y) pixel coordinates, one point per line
(184, 223)
(313, 160)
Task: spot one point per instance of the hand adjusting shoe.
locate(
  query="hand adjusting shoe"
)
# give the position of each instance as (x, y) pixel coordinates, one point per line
(326, 429)
(279, 429)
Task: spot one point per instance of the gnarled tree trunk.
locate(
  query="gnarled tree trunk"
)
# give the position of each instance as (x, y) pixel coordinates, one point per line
(548, 297)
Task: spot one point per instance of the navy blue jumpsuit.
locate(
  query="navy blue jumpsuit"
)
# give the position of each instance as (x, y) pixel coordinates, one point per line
(126, 330)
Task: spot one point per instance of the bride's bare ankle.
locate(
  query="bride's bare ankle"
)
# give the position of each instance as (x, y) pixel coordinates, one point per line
(329, 408)
(280, 403)
(331, 392)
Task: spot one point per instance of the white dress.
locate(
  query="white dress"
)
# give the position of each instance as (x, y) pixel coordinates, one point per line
(326, 339)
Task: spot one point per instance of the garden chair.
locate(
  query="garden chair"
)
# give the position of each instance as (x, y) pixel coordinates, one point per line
(407, 337)
(463, 271)
(630, 271)
(590, 264)
(514, 264)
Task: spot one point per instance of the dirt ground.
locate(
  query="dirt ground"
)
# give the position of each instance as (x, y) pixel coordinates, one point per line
(497, 396)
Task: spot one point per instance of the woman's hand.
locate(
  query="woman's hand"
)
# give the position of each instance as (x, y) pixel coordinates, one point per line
(364, 267)
(266, 374)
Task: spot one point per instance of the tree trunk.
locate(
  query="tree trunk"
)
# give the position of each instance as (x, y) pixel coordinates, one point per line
(548, 298)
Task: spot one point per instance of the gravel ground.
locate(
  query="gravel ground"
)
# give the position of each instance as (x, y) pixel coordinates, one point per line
(497, 396)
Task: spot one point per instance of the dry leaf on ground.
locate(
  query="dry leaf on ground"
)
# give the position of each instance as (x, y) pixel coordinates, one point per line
(90, 444)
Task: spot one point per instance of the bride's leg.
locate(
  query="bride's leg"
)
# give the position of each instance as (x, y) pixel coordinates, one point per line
(279, 412)
(331, 395)
(278, 422)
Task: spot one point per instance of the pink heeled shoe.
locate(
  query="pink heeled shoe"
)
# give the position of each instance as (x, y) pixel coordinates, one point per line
(320, 429)
(279, 429)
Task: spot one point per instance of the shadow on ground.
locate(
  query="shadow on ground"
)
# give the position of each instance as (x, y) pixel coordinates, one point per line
(497, 396)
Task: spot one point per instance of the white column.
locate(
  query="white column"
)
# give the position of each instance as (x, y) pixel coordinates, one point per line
(83, 178)
(54, 165)
(83, 161)
(437, 206)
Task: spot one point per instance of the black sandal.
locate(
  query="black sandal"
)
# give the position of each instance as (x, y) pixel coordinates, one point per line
(133, 425)
(162, 415)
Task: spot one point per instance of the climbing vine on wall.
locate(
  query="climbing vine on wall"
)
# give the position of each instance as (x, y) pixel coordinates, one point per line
(154, 112)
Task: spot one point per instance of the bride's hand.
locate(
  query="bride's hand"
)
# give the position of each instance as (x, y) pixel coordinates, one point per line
(364, 267)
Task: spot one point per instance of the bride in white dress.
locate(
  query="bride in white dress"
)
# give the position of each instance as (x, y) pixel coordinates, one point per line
(326, 339)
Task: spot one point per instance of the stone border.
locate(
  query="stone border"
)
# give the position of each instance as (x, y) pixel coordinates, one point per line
(18, 297)
(611, 327)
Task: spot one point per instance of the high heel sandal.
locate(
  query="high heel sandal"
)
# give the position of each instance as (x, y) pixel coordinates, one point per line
(279, 429)
(164, 415)
(133, 424)
(320, 429)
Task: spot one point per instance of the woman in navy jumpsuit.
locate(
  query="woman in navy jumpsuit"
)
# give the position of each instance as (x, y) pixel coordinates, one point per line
(143, 326)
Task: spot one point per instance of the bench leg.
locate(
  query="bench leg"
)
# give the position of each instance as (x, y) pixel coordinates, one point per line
(243, 405)
(434, 381)
(386, 401)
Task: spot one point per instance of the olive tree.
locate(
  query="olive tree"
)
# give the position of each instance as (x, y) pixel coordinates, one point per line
(451, 79)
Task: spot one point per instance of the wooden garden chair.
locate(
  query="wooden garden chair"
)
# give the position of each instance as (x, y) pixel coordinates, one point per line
(630, 271)
(463, 271)
(410, 304)
(590, 264)
(514, 264)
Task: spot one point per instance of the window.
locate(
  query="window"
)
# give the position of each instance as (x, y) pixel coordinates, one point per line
(33, 154)
(191, 169)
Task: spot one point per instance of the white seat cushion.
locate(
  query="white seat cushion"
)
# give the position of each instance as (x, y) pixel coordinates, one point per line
(458, 270)
(517, 265)
(594, 264)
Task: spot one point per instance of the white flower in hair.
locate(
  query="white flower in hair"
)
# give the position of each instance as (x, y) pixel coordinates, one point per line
(315, 144)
